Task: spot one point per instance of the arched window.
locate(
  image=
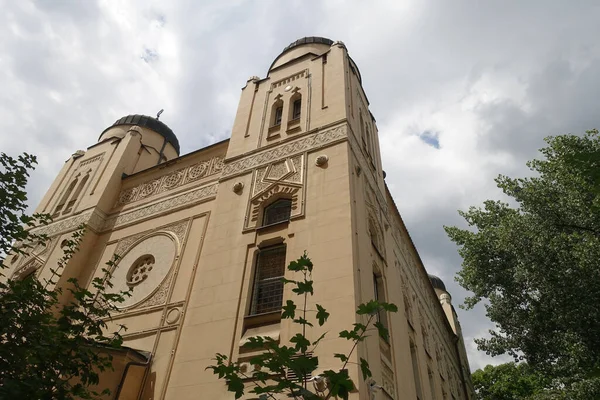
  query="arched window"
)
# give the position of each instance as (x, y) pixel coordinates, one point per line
(77, 192)
(369, 144)
(379, 294)
(374, 234)
(277, 113)
(278, 211)
(267, 293)
(65, 197)
(295, 108)
(362, 130)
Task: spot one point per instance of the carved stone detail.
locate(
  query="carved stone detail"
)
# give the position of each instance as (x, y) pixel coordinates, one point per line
(173, 316)
(309, 142)
(93, 219)
(168, 204)
(171, 180)
(179, 229)
(91, 160)
(288, 79)
(238, 188)
(387, 380)
(321, 160)
(283, 178)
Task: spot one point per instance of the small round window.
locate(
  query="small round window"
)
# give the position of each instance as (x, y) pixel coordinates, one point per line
(140, 269)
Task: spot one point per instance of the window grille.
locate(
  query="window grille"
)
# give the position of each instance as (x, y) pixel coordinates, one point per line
(278, 211)
(268, 287)
(297, 110)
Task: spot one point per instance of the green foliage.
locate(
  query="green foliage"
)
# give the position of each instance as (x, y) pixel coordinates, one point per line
(508, 381)
(536, 261)
(47, 351)
(279, 359)
(512, 381)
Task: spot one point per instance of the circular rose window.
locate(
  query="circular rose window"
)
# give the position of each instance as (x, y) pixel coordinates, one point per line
(140, 269)
(144, 267)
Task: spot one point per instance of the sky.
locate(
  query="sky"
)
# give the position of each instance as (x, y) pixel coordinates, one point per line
(462, 91)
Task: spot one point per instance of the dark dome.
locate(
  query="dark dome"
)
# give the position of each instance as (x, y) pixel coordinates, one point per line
(306, 40)
(150, 123)
(300, 42)
(437, 283)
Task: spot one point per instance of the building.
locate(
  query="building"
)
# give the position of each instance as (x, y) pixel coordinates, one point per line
(204, 238)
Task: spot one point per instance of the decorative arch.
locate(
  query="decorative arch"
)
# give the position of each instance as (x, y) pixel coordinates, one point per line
(65, 197)
(277, 192)
(362, 129)
(295, 107)
(77, 192)
(277, 112)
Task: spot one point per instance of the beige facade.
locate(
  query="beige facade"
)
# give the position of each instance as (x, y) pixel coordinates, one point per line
(301, 171)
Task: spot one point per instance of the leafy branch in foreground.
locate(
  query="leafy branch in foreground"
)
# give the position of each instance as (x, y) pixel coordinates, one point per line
(277, 362)
(51, 346)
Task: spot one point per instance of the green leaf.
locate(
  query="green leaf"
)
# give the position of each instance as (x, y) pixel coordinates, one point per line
(382, 330)
(364, 368)
(316, 342)
(340, 383)
(289, 310)
(341, 356)
(350, 335)
(389, 307)
(301, 342)
(303, 287)
(369, 308)
(322, 315)
(303, 321)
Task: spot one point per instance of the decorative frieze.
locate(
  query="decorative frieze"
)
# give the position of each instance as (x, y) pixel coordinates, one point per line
(171, 180)
(192, 196)
(309, 142)
(91, 160)
(288, 79)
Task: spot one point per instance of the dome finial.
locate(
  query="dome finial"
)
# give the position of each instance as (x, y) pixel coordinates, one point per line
(160, 112)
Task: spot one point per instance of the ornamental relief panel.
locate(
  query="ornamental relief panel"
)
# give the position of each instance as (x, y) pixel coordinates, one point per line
(147, 265)
(34, 259)
(282, 178)
(171, 181)
(286, 150)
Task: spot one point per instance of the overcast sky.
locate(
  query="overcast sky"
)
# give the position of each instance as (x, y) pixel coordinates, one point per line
(462, 91)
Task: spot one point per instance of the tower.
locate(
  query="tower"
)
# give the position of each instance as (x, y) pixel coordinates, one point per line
(204, 238)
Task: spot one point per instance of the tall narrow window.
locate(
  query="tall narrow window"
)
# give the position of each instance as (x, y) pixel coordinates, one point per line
(368, 140)
(64, 198)
(278, 115)
(277, 211)
(380, 296)
(267, 295)
(76, 194)
(431, 383)
(297, 109)
(415, 366)
(362, 131)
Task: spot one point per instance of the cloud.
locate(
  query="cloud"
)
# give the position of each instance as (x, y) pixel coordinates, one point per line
(462, 92)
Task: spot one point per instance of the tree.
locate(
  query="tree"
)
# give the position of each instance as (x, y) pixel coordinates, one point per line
(47, 350)
(537, 261)
(508, 381)
(271, 377)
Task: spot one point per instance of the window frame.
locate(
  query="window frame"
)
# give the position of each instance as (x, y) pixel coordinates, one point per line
(255, 307)
(297, 109)
(272, 205)
(278, 116)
